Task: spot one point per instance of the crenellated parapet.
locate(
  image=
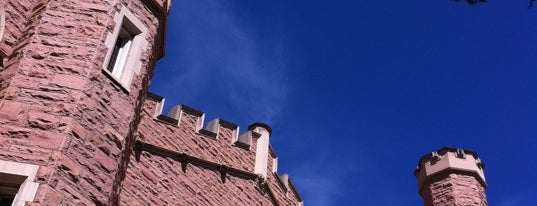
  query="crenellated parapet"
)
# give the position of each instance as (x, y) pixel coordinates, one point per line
(449, 159)
(451, 176)
(183, 135)
(192, 121)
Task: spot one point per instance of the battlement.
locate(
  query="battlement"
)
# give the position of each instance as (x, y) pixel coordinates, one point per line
(190, 119)
(449, 160)
(78, 126)
(182, 133)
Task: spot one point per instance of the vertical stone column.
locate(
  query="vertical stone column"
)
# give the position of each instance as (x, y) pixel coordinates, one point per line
(451, 177)
(262, 147)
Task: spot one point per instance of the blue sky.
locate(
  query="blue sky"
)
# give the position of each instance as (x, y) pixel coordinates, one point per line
(357, 91)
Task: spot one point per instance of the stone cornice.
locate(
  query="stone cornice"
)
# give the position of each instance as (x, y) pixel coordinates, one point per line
(185, 158)
(161, 12)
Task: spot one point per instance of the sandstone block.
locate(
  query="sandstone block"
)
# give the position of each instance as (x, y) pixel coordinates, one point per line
(107, 163)
(48, 140)
(42, 121)
(69, 81)
(12, 111)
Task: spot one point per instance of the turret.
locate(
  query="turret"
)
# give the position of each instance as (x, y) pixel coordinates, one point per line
(262, 147)
(451, 176)
(78, 126)
(73, 79)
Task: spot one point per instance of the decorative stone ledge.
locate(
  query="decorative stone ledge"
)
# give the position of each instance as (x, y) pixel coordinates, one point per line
(185, 158)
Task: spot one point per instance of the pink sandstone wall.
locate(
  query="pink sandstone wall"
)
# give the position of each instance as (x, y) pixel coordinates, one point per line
(57, 109)
(285, 192)
(184, 138)
(161, 181)
(15, 11)
(172, 181)
(17, 14)
(455, 190)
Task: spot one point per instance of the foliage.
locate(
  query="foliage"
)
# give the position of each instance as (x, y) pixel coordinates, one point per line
(472, 2)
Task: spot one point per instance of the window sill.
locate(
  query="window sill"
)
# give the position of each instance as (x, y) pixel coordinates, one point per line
(116, 81)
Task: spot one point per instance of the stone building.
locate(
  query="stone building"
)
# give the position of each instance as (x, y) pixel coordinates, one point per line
(79, 127)
(451, 176)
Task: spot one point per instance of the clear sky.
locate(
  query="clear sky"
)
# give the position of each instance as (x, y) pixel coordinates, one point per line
(357, 91)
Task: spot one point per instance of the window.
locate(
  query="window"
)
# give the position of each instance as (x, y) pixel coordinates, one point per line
(2, 59)
(120, 53)
(125, 45)
(17, 184)
(9, 187)
(2, 28)
(2, 20)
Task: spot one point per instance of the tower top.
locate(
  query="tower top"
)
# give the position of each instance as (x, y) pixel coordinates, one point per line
(260, 124)
(449, 160)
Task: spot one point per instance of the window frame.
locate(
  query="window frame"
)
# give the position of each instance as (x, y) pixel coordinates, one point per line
(127, 60)
(2, 20)
(28, 189)
(118, 58)
(10, 188)
(3, 54)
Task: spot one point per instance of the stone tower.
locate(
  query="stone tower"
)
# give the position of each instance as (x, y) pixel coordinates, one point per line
(79, 127)
(451, 176)
(73, 78)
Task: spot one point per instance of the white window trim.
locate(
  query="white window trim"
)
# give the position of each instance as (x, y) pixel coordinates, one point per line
(126, 21)
(122, 53)
(28, 189)
(2, 29)
(275, 165)
(2, 20)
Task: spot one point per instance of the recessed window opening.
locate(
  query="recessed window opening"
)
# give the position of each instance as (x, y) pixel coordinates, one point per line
(2, 20)
(17, 186)
(9, 187)
(2, 28)
(120, 53)
(2, 59)
(125, 43)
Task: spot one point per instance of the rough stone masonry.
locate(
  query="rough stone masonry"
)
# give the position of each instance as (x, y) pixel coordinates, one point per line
(78, 126)
(451, 176)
